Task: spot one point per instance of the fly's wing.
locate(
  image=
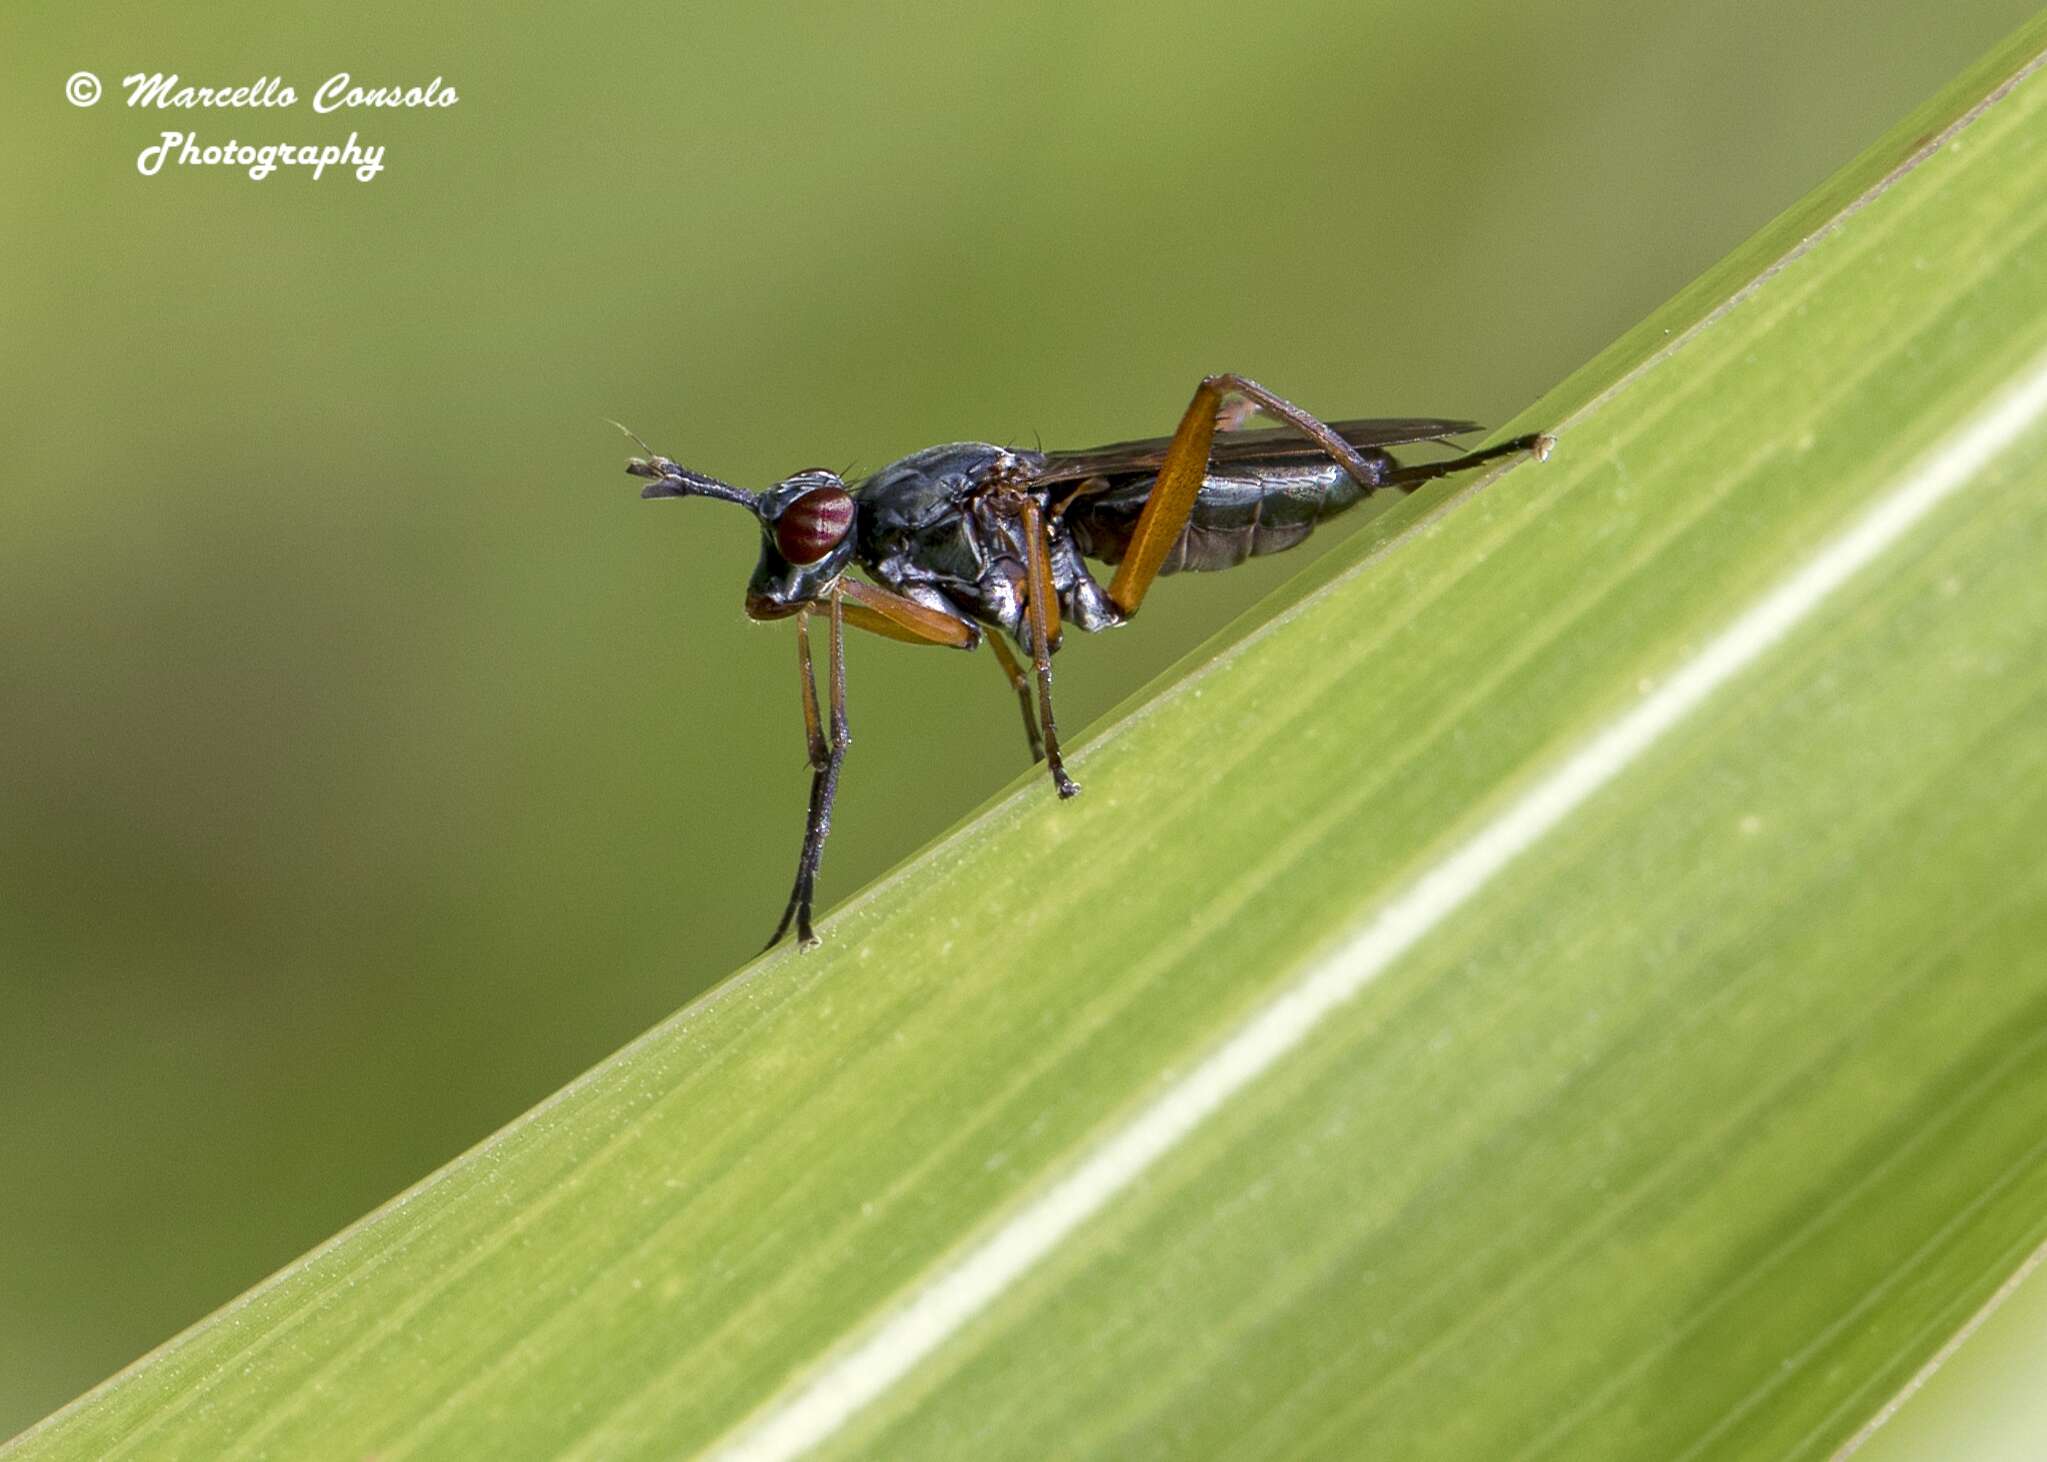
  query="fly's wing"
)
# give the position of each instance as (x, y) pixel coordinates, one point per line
(1267, 444)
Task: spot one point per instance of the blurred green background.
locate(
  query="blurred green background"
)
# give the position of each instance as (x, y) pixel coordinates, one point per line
(374, 761)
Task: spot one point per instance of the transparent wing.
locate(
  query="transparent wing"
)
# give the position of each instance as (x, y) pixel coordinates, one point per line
(1266, 444)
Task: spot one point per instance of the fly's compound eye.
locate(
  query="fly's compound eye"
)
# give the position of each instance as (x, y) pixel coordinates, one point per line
(815, 524)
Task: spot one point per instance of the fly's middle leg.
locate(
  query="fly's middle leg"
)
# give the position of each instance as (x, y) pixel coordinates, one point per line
(1019, 682)
(1043, 606)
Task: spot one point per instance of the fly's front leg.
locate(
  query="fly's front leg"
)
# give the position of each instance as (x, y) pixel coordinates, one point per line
(1044, 620)
(827, 755)
(1186, 467)
(813, 731)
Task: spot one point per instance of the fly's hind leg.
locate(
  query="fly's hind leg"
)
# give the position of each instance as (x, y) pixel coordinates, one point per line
(1186, 467)
(1414, 474)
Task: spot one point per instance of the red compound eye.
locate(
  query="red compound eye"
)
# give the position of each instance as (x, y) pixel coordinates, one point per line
(814, 525)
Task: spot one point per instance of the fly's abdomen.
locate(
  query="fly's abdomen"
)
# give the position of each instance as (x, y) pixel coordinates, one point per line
(1254, 511)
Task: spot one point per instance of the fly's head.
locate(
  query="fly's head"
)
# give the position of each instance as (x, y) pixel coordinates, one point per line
(807, 536)
(807, 540)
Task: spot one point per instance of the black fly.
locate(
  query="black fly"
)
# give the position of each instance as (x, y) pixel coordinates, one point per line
(969, 535)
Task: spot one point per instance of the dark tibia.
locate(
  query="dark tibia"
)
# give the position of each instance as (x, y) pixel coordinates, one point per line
(1044, 607)
(1413, 473)
(827, 755)
(1020, 682)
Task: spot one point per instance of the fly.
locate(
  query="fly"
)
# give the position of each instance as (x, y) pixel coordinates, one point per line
(971, 538)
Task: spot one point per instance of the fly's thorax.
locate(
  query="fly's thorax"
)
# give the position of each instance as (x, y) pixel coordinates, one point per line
(916, 519)
(917, 491)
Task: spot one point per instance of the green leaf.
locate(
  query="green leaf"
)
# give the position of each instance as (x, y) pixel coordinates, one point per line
(1694, 1126)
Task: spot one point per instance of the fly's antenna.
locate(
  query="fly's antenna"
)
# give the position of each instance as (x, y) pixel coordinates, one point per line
(670, 479)
(638, 440)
